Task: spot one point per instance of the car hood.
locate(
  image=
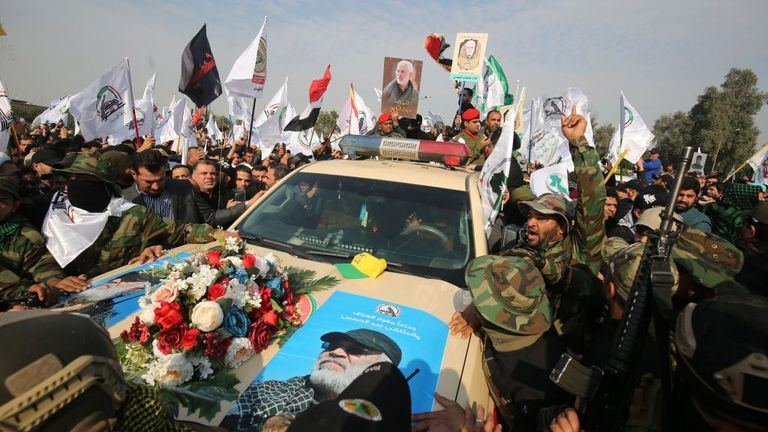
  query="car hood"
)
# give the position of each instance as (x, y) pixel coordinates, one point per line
(460, 375)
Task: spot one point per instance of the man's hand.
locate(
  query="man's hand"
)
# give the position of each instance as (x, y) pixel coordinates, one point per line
(453, 418)
(148, 143)
(286, 157)
(395, 116)
(573, 126)
(463, 324)
(71, 284)
(567, 421)
(149, 254)
(232, 203)
(46, 293)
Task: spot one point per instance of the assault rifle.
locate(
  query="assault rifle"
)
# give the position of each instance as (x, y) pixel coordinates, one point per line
(609, 388)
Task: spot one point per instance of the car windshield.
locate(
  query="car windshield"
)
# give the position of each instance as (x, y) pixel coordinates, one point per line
(419, 230)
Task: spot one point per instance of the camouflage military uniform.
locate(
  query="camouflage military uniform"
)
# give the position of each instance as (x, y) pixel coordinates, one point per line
(24, 259)
(570, 266)
(126, 236)
(476, 149)
(519, 350)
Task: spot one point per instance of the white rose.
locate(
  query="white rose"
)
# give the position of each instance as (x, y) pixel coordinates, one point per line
(207, 316)
(147, 313)
(238, 352)
(156, 351)
(174, 370)
(237, 262)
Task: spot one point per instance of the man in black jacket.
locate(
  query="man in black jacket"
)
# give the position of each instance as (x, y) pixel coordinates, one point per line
(208, 194)
(169, 198)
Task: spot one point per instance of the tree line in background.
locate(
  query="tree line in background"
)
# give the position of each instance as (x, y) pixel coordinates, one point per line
(721, 123)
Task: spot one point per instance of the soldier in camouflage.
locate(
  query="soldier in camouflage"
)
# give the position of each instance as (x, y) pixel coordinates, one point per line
(123, 237)
(25, 264)
(511, 312)
(565, 239)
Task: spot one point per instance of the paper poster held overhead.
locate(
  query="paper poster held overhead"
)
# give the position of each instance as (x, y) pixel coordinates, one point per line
(400, 86)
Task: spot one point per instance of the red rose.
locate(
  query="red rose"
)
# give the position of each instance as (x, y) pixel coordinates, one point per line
(168, 315)
(139, 332)
(169, 340)
(189, 341)
(214, 257)
(271, 318)
(266, 294)
(249, 260)
(260, 336)
(215, 291)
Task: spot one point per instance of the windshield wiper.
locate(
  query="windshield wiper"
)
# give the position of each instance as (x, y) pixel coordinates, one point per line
(345, 255)
(285, 247)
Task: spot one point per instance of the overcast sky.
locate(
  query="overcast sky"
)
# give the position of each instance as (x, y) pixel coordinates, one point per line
(662, 53)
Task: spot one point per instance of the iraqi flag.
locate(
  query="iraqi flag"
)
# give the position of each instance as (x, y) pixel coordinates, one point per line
(199, 76)
(307, 119)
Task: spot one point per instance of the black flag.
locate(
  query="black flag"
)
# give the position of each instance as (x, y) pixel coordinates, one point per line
(199, 76)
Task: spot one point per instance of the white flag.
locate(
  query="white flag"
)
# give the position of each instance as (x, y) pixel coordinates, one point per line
(145, 115)
(378, 94)
(238, 109)
(56, 111)
(102, 107)
(213, 129)
(6, 117)
(170, 127)
(302, 142)
(355, 118)
(759, 163)
(493, 177)
(632, 135)
(269, 121)
(552, 179)
(249, 73)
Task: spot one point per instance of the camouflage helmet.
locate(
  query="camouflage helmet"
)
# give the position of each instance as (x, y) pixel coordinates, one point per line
(550, 204)
(510, 293)
(624, 259)
(707, 258)
(10, 184)
(94, 165)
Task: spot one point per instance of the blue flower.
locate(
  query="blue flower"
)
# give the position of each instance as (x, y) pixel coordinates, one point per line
(242, 276)
(276, 285)
(237, 322)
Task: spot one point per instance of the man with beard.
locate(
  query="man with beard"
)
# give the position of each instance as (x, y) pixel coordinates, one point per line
(686, 205)
(344, 357)
(402, 91)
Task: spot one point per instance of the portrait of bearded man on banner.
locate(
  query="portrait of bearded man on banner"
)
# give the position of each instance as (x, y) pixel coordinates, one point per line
(400, 86)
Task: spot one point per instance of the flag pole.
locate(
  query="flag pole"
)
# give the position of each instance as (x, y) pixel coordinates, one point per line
(16, 141)
(133, 104)
(250, 129)
(352, 103)
(614, 167)
(762, 149)
(530, 136)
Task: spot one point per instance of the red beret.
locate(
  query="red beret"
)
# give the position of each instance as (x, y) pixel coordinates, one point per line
(385, 117)
(470, 114)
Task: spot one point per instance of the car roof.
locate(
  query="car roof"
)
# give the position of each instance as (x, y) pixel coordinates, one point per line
(431, 175)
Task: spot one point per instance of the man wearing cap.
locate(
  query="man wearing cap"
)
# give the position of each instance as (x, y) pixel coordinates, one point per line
(344, 357)
(387, 127)
(90, 229)
(25, 264)
(511, 312)
(646, 169)
(565, 240)
(473, 137)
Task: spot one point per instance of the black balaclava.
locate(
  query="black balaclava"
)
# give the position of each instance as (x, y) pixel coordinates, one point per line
(91, 196)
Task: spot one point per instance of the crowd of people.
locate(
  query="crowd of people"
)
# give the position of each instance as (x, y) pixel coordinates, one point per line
(558, 280)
